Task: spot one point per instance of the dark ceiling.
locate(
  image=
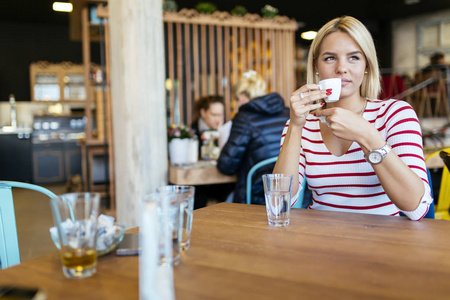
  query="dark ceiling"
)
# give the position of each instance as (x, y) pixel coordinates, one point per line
(313, 14)
(30, 30)
(310, 13)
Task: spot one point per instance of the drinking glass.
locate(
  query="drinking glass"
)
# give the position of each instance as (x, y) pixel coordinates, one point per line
(169, 219)
(184, 195)
(75, 216)
(278, 192)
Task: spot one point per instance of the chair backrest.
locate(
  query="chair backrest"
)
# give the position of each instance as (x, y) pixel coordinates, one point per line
(252, 172)
(443, 203)
(259, 165)
(445, 157)
(434, 160)
(9, 245)
(431, 210)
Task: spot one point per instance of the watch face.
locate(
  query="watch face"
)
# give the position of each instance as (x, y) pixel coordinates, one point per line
(375, 157)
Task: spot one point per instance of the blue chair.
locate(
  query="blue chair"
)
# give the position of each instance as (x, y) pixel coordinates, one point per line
(9, 245)
(259, 165)
(430, 214)
(443, 203)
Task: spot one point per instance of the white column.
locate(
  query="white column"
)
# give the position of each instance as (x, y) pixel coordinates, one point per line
(138, 103)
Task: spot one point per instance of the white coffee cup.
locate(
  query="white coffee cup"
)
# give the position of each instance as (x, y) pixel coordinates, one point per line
(335, 85)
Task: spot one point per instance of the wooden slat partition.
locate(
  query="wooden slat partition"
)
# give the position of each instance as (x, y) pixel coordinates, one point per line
(188, 73)
(180, 64)
(207, 54)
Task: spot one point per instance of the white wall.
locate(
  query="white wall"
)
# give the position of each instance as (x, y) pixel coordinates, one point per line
(25, 111)
(404, 43)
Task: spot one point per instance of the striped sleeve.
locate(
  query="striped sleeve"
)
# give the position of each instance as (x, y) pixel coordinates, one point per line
(403, 133)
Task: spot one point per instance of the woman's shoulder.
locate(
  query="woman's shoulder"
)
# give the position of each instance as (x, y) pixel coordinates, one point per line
(384, 106)
(387, 102)
(391, 110)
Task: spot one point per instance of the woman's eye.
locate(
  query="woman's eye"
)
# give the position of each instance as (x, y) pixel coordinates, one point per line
(354, 57)
(329, 58)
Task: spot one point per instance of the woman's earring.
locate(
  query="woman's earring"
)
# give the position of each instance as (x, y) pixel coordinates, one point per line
(365, 72)
(317, 73)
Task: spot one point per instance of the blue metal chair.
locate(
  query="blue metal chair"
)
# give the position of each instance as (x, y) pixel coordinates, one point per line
(263, 163)
(443, 203)
(9, 245)
(430, 214)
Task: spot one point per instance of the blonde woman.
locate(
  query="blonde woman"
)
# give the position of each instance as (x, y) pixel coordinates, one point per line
(250, 86)
(254, 136)
(367, 156)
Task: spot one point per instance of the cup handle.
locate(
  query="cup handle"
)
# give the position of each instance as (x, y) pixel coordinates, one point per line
(323, 120)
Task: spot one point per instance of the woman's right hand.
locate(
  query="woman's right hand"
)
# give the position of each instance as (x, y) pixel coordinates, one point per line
(301, 103)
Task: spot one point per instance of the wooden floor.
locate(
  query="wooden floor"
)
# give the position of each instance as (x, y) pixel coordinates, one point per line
(33, 219)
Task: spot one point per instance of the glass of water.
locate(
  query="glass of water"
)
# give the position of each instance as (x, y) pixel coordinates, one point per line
(185, 196)
(278, 192)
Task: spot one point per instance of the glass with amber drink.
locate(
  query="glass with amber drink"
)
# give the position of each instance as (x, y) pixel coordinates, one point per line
(75, 216)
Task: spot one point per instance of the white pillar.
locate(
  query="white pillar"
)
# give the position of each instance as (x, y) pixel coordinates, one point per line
(138, 103)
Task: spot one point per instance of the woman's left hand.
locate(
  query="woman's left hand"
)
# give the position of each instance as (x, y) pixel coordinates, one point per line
(345, 124)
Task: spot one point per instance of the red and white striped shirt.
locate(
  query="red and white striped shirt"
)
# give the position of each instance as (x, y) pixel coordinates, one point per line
(348, 183)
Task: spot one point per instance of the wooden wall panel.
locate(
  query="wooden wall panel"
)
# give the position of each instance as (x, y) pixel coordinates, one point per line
(203, 56)
(171, 70)
(207, 54)
(227, 73)
(195, 60)
(188, 72)
(180, 63)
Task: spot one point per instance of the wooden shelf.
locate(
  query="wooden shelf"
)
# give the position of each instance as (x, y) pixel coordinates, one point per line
(97, 102)
(75, 22)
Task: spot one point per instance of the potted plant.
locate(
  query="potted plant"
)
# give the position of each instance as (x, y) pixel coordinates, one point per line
(239, 10)
(170, 5)
(205, 7)
(183, 144)
(269, 11)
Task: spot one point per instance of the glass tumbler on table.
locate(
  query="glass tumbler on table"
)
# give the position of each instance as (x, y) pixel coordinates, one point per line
(185, 196)
(277, 192)
(75, 216)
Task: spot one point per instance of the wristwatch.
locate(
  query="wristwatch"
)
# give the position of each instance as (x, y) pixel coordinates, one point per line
(376, 156)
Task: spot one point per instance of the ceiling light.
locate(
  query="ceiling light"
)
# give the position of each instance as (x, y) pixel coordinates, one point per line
(62, 6)
(308, 35)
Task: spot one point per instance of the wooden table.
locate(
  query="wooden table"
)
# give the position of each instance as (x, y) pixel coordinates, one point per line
(198, 175)
(432, 158)
(234, 254)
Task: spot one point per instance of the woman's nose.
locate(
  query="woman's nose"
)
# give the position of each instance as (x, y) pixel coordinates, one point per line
(341, 68)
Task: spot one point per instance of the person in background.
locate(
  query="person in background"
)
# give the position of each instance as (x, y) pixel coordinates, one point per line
(250, 86)
(367, 155)
(209, 116)
(437, 65)
(254, 136)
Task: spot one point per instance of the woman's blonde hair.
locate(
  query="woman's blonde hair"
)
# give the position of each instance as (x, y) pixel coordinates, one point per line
(370, 86)
(251, 85)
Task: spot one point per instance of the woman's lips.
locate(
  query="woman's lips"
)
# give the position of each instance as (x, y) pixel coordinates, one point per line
(345, 82)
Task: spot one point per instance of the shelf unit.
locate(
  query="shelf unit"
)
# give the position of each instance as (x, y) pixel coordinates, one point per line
(57, 82)
(97, 148)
